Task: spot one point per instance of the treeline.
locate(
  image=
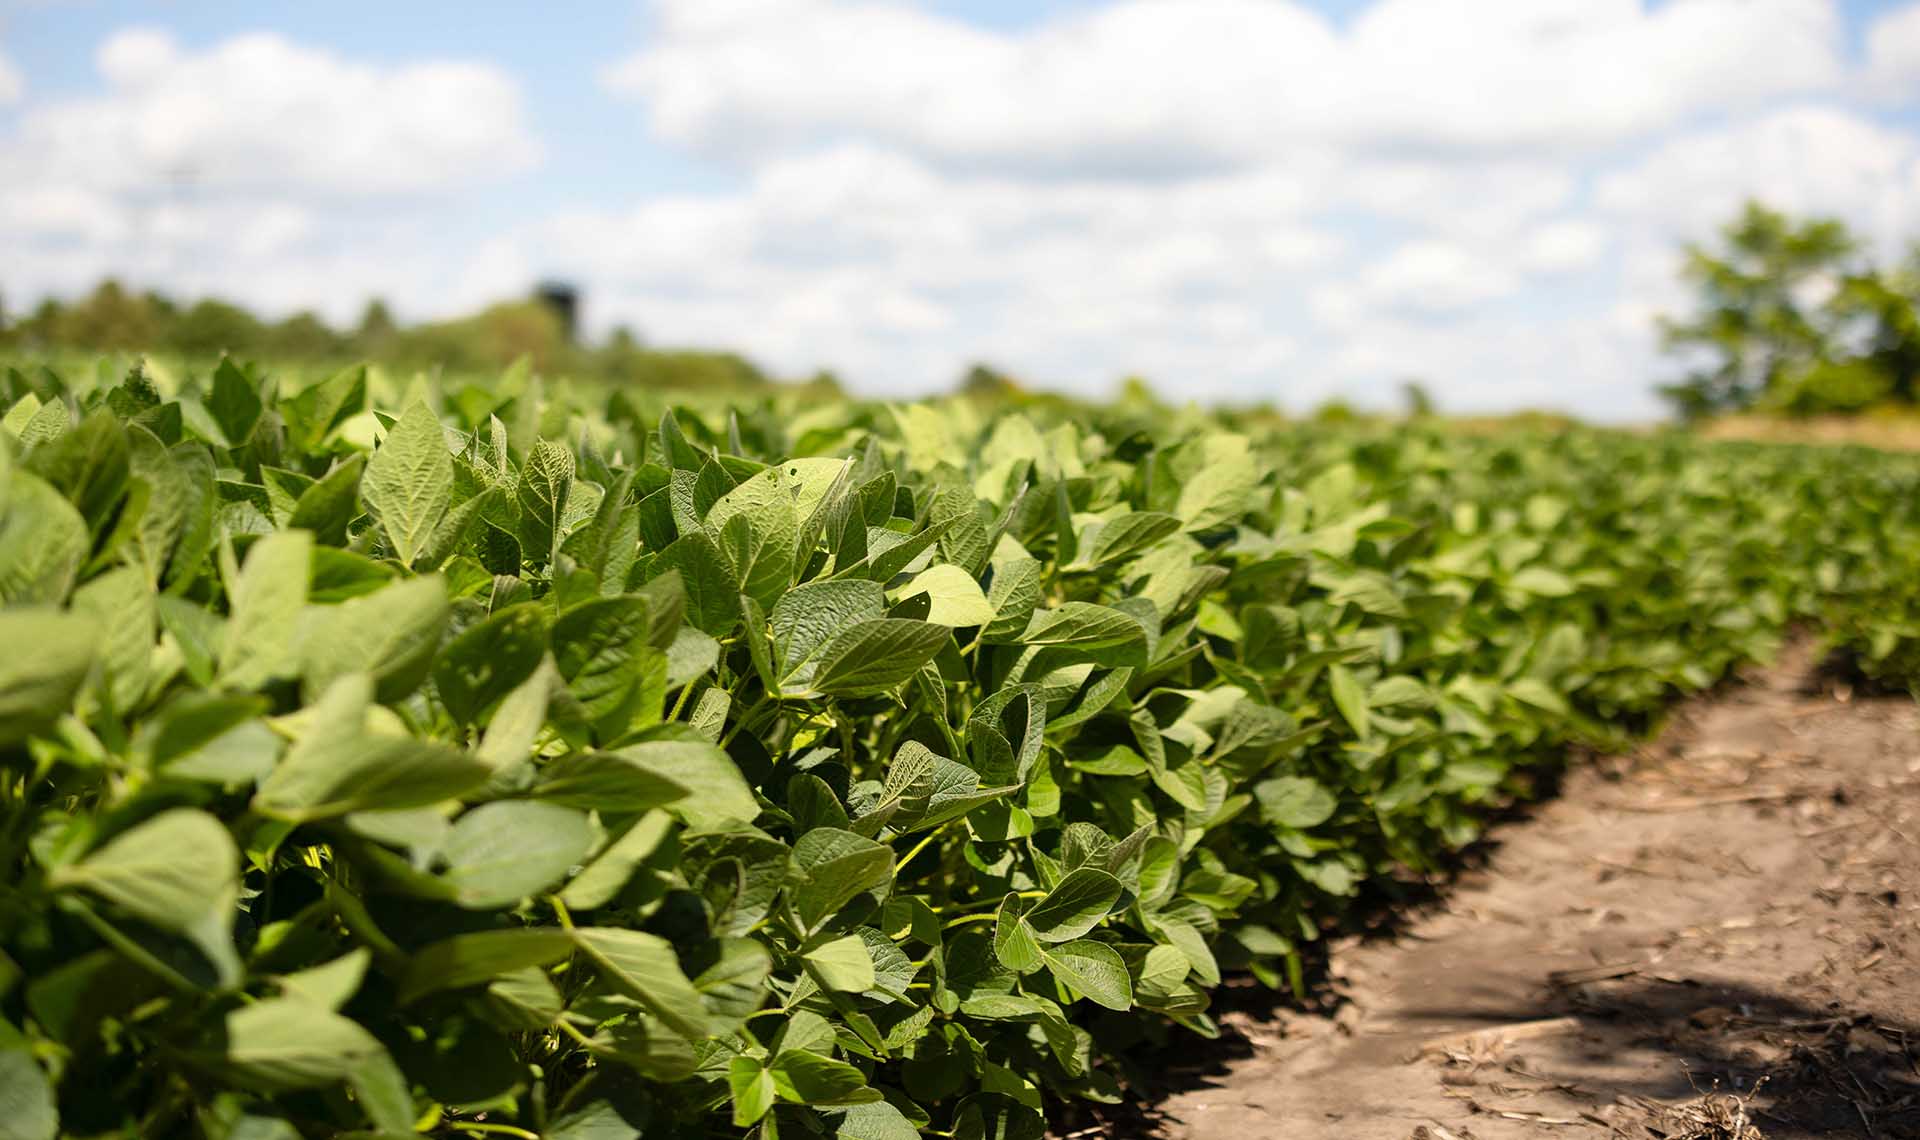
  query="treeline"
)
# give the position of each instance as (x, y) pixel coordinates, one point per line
(113, 318)
(1793, 316)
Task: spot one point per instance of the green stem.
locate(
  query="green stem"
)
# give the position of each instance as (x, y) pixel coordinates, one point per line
(479, 1129)
(989, 916)
(917, 848)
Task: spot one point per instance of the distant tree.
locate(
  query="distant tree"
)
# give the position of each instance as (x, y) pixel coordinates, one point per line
(982, 382)
(374, 336)
(1418, 400)
(303, 336)
(1767, 314)
(210, 327)
(109, 319)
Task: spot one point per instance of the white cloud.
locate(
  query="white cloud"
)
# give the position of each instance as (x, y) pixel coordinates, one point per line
(13, 85)
(260, 111)
(1170, 86)
(260, 169)
(1893, 53)
(1816, 159)
(1563, 246)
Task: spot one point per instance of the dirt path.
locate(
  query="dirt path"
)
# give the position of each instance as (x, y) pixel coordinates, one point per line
(1727, 923)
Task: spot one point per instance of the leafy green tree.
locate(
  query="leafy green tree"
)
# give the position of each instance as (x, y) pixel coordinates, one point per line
(1782, 315)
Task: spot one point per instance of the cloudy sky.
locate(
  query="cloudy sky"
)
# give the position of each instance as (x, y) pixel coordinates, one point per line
(1239, 199)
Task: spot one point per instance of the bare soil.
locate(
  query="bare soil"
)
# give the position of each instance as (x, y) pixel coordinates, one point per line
(1715, 939)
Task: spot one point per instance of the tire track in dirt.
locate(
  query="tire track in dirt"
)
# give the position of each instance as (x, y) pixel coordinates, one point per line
(1717, 937)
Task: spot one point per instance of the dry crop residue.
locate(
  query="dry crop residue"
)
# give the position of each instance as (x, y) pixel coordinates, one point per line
(1717, 939)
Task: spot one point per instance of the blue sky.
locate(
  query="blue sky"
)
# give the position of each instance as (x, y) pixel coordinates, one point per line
(1243, 199)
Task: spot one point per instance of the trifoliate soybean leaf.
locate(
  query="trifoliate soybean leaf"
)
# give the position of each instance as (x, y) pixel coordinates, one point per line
(843, 964)
(1350, 698)
(1092, 969)
(28, 1110)
(757, 529)
(471, 959)
(499, 853)
(546, 482)
(829, 867)
(290, 1043)
(607, 781)
(331, 503)
(1014, 593)
(518, 721)
(1295, 801)
(234, 403)
(390, 635)
(1014, 943)
(408, 484)
(329, 985)
(1090, 632)
(601, 880)
(716, 791)
(339, 766)
(179, 872)
(874, 656)
(643, 967)
(955, 597)
(752, 1089)
(806, 1077)
(43, 540)
(488, 660)
(807, 617)
(1128, 535)
(1533, 691)
(874, 1120)
(1075, 905)
(712, 601)
(37, 688)
(264, 605)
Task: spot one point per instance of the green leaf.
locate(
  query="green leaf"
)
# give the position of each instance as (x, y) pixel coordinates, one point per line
(264, 605)
(603, 879)
(1350, 698)
(471, 959)
(499, 853)
(829, 867)
(331, 503)
(954, 596)
(390, 635)
(1014, 942)
(757, 529)
(179, 872)
(607, 781)
(807, 617)
(874, 656)
(408, 483)
(1075, 905)
(489, 660)
(1295, 801)
(338, 766)
(43, 540)
(1095, 633)
(752, 1088)
(843, 964)
(546, 481)
(806, 1077)
(1093, 970)
(602, 650)
(27, 1107)
(37, 688)
(644, 968)
(717, 794)
(234, 403)
(290, 1043)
